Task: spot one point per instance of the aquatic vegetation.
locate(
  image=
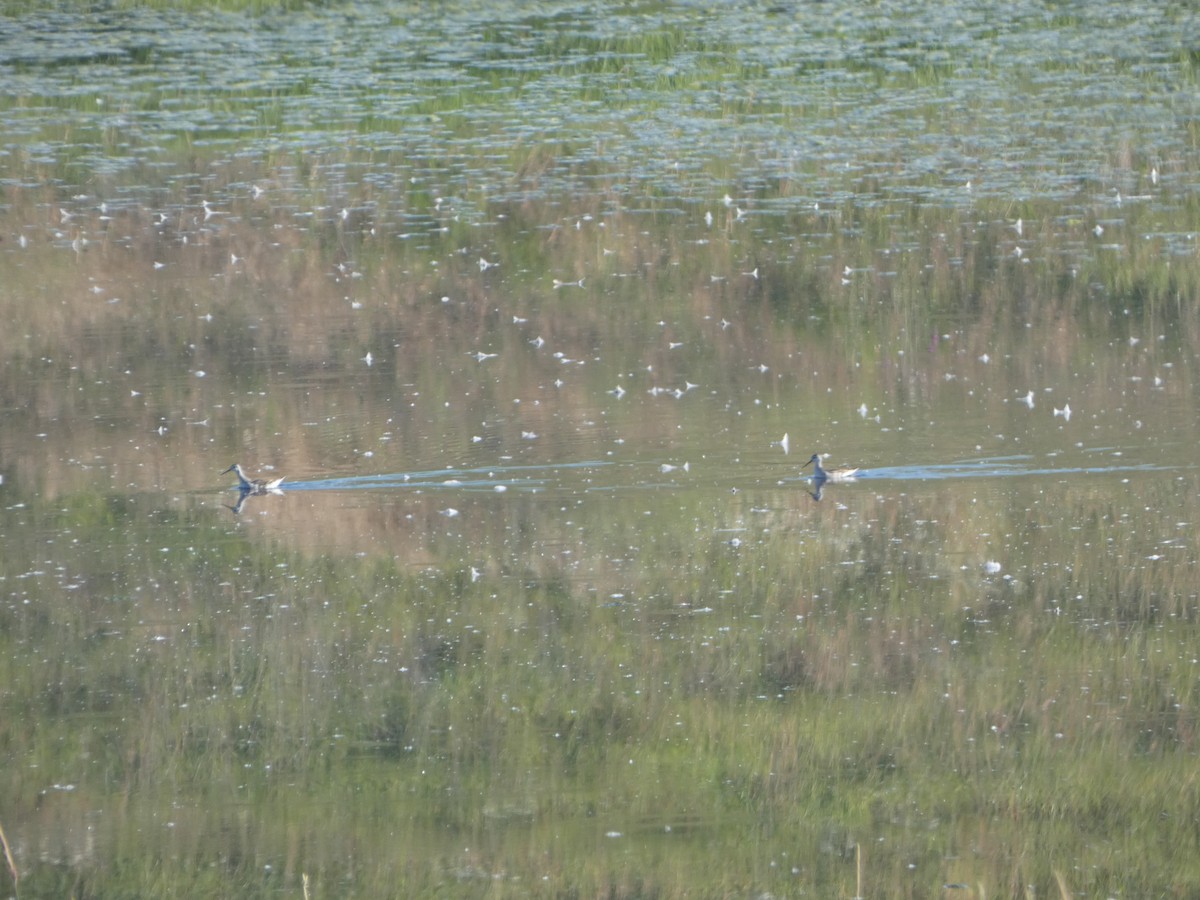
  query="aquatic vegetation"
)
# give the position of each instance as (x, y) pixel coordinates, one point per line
(521, 298)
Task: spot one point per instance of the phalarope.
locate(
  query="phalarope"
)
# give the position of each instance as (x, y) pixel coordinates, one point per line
(255, 485)
(821, 474)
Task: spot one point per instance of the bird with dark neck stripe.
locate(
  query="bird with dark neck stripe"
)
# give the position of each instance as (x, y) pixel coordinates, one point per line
(821, 474)
(253, 485)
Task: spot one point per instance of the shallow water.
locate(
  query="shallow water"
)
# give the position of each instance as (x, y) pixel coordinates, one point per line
(539, 317)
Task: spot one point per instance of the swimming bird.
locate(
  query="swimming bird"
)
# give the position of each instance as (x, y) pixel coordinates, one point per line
(821, 475)
(255, 485)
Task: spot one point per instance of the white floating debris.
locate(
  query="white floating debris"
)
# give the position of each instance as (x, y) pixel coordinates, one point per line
(538, 342)
(1065, 412)
(484, 265)
(618, 392)
(985, 359)
(368, 359)
(783, 442)
(991, 567)
(1028, 399)
(450, 512)
(562, 284)
(529, 435)
(480, 356)
(863, 411)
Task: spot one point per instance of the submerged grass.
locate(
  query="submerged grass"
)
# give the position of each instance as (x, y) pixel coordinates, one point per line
(818, 708)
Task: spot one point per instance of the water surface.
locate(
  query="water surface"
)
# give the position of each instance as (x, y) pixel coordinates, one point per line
(523, 307)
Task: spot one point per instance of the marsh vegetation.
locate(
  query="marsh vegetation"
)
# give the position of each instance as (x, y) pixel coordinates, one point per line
(523, 303)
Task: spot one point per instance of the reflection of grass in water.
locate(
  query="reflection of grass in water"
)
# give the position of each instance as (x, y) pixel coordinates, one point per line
(959, 278)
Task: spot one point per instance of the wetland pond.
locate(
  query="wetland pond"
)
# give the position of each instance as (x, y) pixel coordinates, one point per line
(539, 312)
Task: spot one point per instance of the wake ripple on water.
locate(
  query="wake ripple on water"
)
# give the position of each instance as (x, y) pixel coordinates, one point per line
(577, 476)
(999, 467)
(490, 478)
